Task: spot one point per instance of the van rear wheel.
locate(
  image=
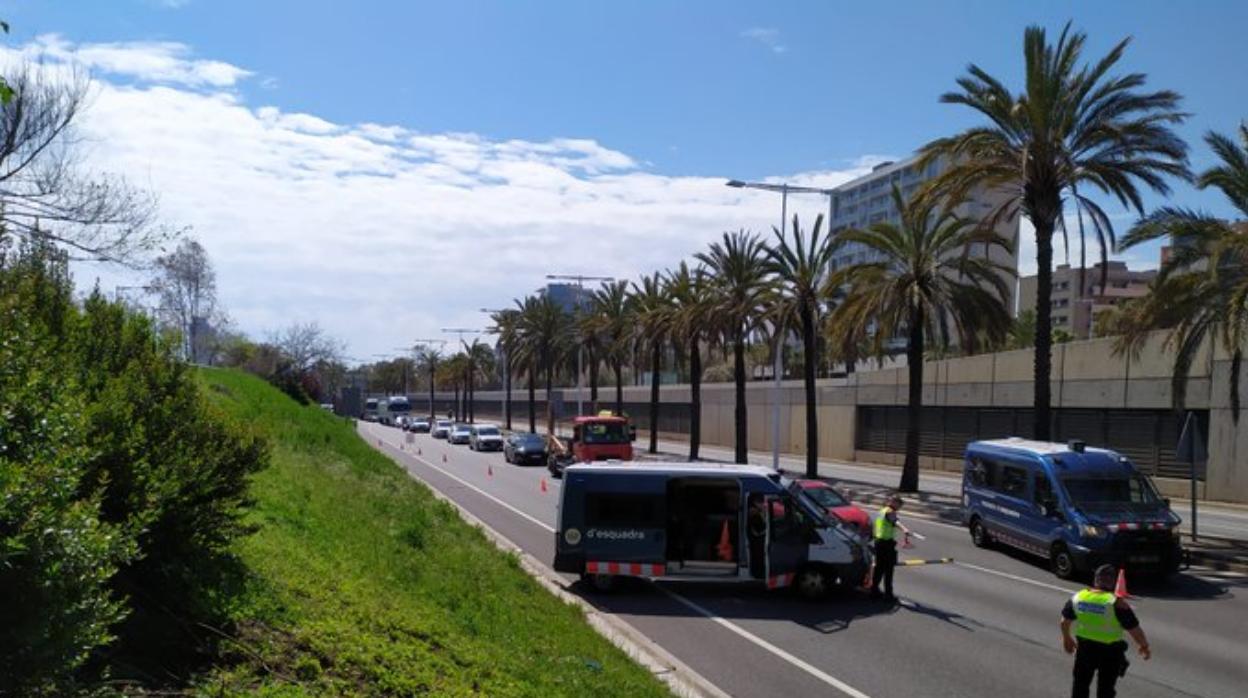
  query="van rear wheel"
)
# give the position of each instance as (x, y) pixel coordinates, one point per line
(979, 534)
(600, 582)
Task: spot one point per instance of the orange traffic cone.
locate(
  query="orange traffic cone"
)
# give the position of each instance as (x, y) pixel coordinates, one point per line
(489, 470)
(1120, 589)
(543, 485)
(725, 545)
(443, 457)
(420, 451)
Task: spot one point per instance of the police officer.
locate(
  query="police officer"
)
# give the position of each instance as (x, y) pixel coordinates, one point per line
(1099, 619)
(885, 543)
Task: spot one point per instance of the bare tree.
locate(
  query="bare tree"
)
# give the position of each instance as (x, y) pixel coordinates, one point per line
(306, 344)
(187, 288)
(44, 190)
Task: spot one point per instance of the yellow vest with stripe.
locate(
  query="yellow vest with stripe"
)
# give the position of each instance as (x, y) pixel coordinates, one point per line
(1094, 616)
(884, 529)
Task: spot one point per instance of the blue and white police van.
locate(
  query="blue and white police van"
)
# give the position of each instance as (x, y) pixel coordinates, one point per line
(1077, 507)
(701, 522)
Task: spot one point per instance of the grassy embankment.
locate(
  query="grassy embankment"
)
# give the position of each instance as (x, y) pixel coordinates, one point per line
(364, 583)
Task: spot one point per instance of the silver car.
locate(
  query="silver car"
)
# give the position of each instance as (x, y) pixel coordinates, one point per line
(460, 434)
(442, 429)
(485, 437)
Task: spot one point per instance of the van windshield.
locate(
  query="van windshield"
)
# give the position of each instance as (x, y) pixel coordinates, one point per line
(809, 506)
(1110, 491)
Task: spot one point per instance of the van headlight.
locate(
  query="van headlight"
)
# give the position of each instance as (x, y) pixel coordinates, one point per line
(1093, 531)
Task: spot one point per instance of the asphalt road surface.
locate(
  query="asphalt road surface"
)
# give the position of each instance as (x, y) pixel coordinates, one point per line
(983, 625)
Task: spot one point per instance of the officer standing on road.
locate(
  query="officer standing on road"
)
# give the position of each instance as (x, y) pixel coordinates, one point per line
(1100, 620)
(885, 539)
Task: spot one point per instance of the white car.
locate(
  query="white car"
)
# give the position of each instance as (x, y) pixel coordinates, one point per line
(459, 434)
(485, 437)
(442, 429)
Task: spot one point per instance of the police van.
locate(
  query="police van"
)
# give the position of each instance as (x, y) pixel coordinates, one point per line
(1077, 507)
(703, 522)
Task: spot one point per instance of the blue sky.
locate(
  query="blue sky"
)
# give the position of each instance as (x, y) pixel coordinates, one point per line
(681, 91)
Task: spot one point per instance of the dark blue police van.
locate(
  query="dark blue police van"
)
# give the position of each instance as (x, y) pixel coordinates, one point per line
(1077, 507)
(701, 522)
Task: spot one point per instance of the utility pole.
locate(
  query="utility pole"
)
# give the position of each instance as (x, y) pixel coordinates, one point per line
(580, 280)
(778, 359)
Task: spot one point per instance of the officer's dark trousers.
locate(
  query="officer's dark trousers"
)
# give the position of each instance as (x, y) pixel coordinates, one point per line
(1101, 659)
(885, 563)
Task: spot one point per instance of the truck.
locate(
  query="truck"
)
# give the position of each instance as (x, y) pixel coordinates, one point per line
(602, 437)
(393, 407)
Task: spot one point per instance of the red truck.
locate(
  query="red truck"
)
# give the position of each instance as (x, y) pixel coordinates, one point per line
(605, 436)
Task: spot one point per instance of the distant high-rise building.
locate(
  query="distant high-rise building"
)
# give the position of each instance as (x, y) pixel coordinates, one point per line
(1073, 309)
(868, 200)
(567, 295)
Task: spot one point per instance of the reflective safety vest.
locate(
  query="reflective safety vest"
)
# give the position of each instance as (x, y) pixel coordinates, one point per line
(884, 529)
(1094, 616)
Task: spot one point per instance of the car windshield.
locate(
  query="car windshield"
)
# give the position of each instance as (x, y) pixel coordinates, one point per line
(530, 440)
(1103, 491)
(487, 431)
(826, 497)
(443, 424)
(604, 433)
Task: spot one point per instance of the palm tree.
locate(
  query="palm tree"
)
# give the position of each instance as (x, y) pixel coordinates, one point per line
(545, 330)
(428, 360)
(689, 291)
(1201, 290)
(742, 296)
(922, 282)
(508, 338)
(587, 334)
(801, 269)
(653, 309)
(610, 315)
(1072, 128)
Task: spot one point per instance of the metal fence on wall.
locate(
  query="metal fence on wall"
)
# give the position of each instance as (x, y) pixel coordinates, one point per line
(1148, 437)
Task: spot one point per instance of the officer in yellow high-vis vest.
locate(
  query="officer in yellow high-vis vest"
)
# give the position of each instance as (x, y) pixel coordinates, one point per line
(884, 535)
(1099, 620)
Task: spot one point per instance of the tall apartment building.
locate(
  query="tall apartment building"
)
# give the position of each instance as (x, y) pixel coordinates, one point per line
(868, 200)
(1074, 309)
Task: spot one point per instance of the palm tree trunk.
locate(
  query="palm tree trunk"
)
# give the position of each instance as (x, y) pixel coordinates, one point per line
(471, 402)
(739, 413)
(458, 414)
(1043, 368)
(656, 364)
(914, 407)
(618, 365)
(695, 399)
(433, 410)
(809, 362)
(532, 399)
(550, 405)
(593, 380)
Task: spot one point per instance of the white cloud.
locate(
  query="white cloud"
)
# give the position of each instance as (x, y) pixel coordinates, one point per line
(767, 36)
(380, 232)
(147, 61)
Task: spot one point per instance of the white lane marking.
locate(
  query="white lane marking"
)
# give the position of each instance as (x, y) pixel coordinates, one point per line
(758, 641)
(742, 632)
(1015, 577)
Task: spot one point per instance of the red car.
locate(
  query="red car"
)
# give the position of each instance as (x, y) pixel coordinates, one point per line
(837, 505)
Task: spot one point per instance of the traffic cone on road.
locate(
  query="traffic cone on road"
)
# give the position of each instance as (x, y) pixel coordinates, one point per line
(489, 470)
(443, 457)
(420, 451)
(543, 485)
(725, 545)
(1120, 589)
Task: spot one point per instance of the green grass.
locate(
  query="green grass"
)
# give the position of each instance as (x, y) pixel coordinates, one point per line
(362, 583)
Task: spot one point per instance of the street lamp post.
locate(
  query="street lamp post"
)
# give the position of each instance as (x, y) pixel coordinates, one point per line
(433, 366)
(580, 280)
(778, 359)
(460, 331)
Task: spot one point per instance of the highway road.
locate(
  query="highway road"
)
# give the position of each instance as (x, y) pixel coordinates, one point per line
(983, 625)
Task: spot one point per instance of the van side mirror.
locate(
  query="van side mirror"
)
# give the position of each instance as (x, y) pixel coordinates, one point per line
(1049, 509)
(632, 432)
(1166, 501)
